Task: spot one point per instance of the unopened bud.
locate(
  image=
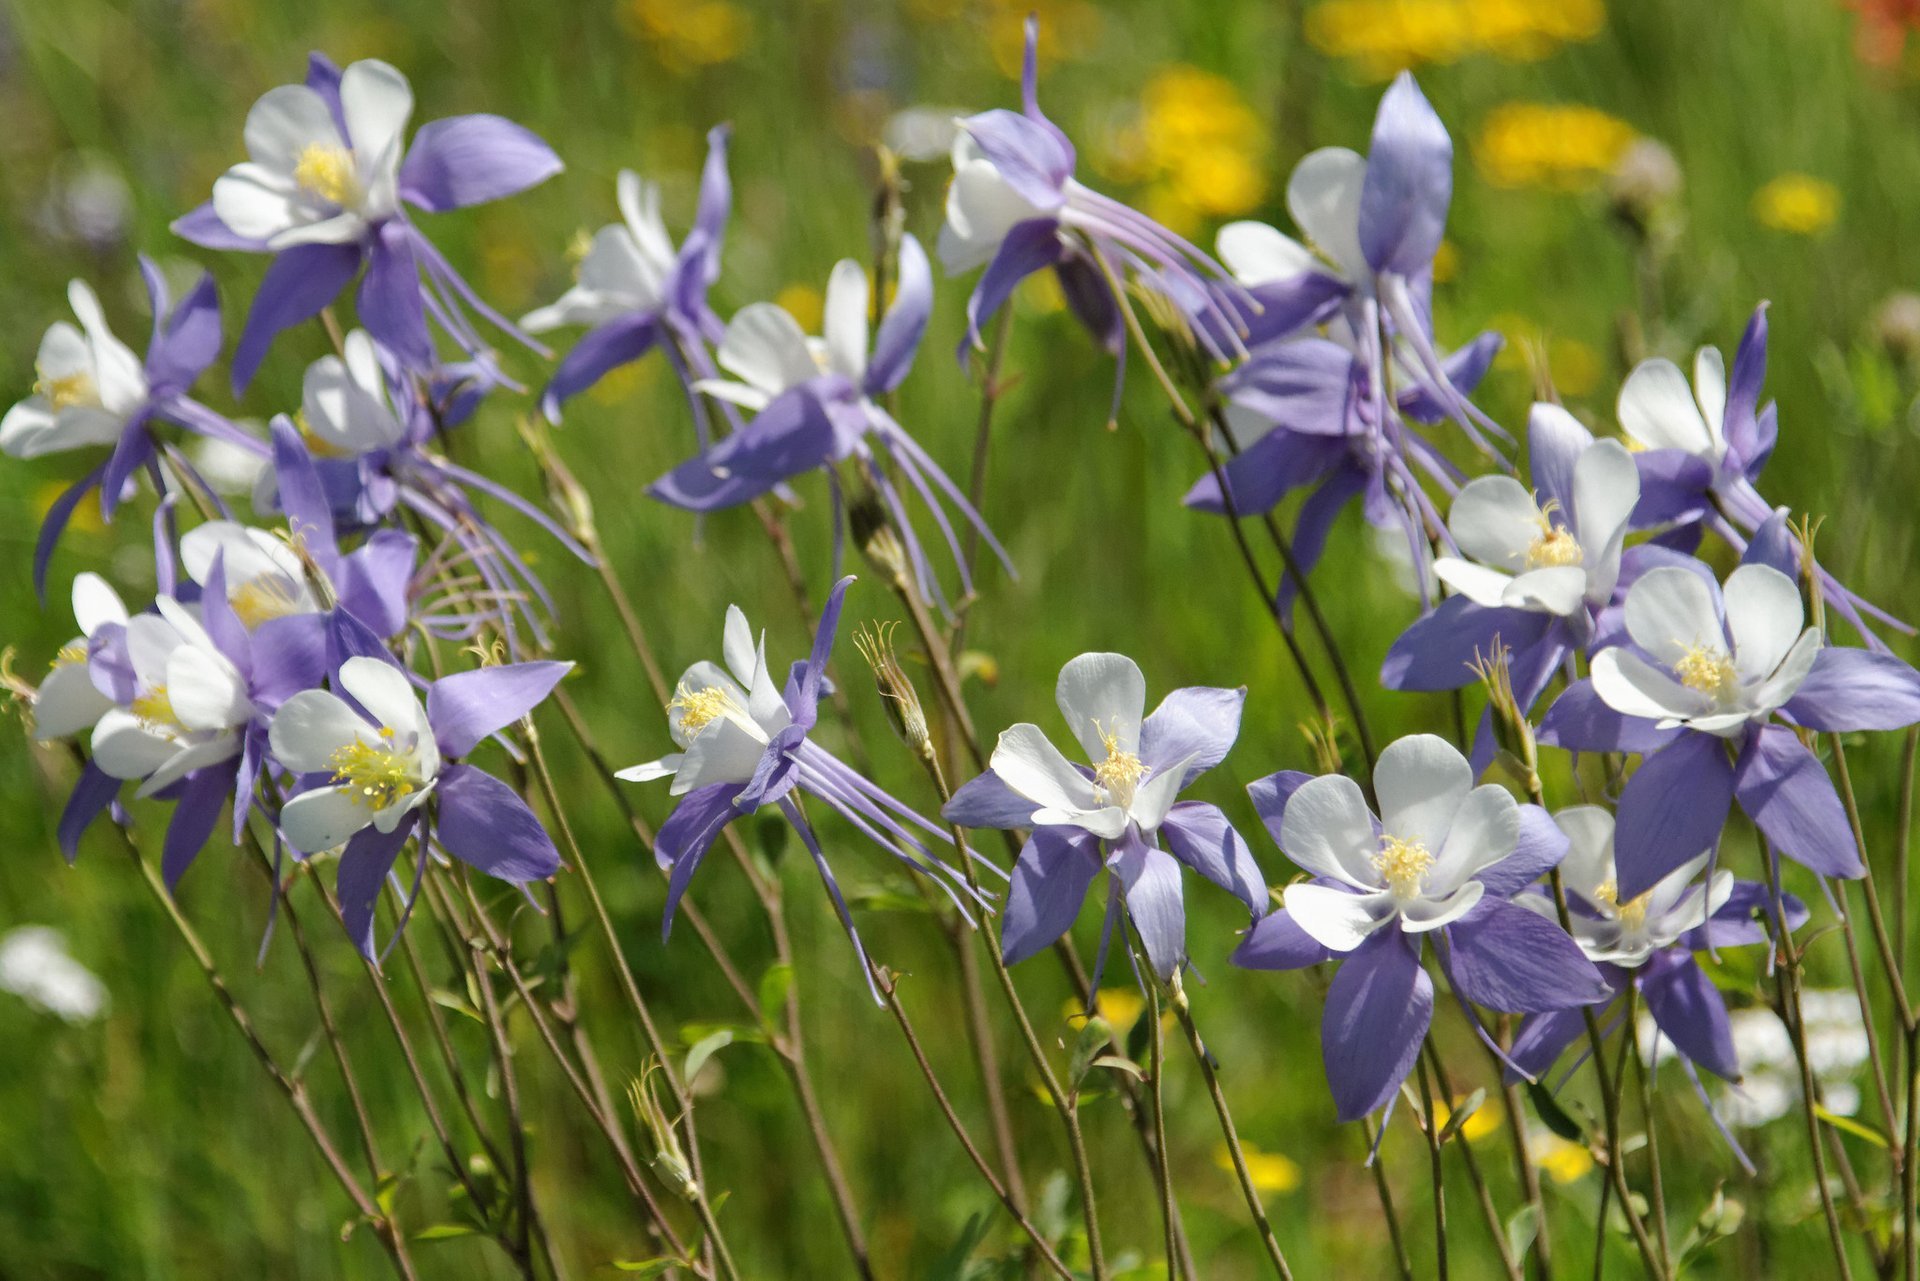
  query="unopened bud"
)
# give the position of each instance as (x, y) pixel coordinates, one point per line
(897, 693)
(669, 1161)
(1644, 181)
(1896, 326)
(1512, 731)
(874, 534)
(564, 490)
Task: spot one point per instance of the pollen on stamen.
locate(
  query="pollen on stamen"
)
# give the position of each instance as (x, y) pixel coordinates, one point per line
(68, 655)
(1403, 865)
(698, 708)
(327, 172)
(375, 775)
(1632, 914)
(1707, 669)
(1120, 772)
(264, 598)
(1554, 546)
(155, 709)
(68, 390)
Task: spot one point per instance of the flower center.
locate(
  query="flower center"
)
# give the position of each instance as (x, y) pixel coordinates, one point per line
(1120, 772)
(265, 598)
(1707, 669)
(1553, 548)
(155, 710)
(1631, 914)
(68, 390)
(327, 173)
(1403, 865)
(698, 708)
(376, 775)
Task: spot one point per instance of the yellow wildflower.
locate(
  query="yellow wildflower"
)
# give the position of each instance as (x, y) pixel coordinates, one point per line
(1196, 146)
(1385, 36)
(1271, 1171)
(1561, 147)
(1797, 203)
(804, 303)
(686, 35)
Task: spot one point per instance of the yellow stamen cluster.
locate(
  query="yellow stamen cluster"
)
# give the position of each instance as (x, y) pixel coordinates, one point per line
(1632, 914)
(69, 654)
(375, 774)
(155, 709)
(317, 445)
(1553, 548)
(68, 390)
(1120, 772)
(1708, 670)
(698, 708)
(327, 172)
(1403, 865)
(267, 597)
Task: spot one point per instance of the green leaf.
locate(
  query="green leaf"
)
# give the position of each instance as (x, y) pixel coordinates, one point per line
(444, 1231)
(774, 986)
(703, 1050)
(1522, 1228)
(1119, 1064)
(647, 1267)
(1093, 1038)
(1458, 1117)
(691, 1034)
(1552, 1115)
(770, 837)
(1857, 1129)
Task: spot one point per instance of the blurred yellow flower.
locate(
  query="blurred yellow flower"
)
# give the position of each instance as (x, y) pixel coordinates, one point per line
(1385, 36)
(86, 516)
(1446, 262)
(1484, 1121)
(688, 34)
(1797, 203)
(1574, 366)
(1196, 146)
(1271, 1172)
(804, 303)
(1565, 147)
(1119, 1006)
(1563, 1160)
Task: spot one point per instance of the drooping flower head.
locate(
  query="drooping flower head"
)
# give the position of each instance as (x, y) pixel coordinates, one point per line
(1443, 859)
(1114, 812)
(745, 743)
(325, 188)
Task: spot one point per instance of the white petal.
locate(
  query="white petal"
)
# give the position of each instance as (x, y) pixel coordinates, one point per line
(1156, 796)
(1485, 830)
(1101, 696)
(1328, 831)
(1107, 822)
(63, 351)
(376, 101)
(1710, 388)
(981, 210)
(206, 691)
(386, 820)
(733, 393)
(187, 759)
(257, 205)
(1657, 409)
(1257, 254)
(1634, 687)
(1786, 679)
(665, 767)
(767, 348)
(341, 228)
(845, 323)
(736, 646)
(310, 727)
(95, 603)
(1589, 860)
(120, 375)
(323, 818)
(32, 429)
(1421, 781)
(151, 641)
(387, 695)
(1424, 914)
(1334, 918)
(124, 747)
(1034, 768)
(1671, 610)
(1477, 583)
(1558, 589)
(343, 412)
(283, 123)
(639, 203)
(1323, 195)
(1495, 520)
(67, 702)
(615, 267)
(185, 621)
(1764, 618)
(1606, 486)
(722, 752)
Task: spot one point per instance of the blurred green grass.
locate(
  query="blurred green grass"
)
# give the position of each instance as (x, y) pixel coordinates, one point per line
(148, 1144)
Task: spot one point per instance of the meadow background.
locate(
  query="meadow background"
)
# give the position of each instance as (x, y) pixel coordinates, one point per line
(146, 1143)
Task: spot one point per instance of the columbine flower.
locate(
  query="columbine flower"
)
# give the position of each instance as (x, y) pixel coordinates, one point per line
(369, 768)
(745, 744)
(1538, 568)
(92, 390)
(328, 174)
(1648, 942)
(1014, 206)
(1114, 814)
(816, 403)
(1701, 450)
(637, 291)
(1443, 859)
(68, 701)
(36, 966)
(1696, 693)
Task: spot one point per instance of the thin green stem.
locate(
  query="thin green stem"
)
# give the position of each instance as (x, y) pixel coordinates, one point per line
(1436, 1170)
(1385, 1192)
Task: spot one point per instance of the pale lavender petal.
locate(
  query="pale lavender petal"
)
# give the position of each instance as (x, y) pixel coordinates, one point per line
(364, 865)
(486, 825)
(1850, 690)
(1670, 810)
(1541, 847)
(905, 322)
(299, 282)
(392, 307)
(1378, 1009)
(1199, 835)
(988, 802)
(1030, 246)
(1690, 1012)
(1152, 881)
(1050, 881)
(469, 160)
(467, 706)
(1197, 724)
(1507, 957)
(1786, 792)
(1276, 942)
(1409, 183)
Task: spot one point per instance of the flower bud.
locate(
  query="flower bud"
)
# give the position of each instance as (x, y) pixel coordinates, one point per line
(1644, 181)
(669, 1161)
(897, 693)
(1511, 728)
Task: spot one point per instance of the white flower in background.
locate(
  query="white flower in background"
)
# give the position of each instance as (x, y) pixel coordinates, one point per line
(345, 405)
(722, 717)
(1104, 700)
(68, 701)
(1707, 675)
(264, 577)
(1436, 831)
(87, 385)
(1658, 410)
(1770, 1083)
(626, 267)
(383, 770)
(229, 468)
(767, 351)
(35, 966)
(188, 706)
(1323, 196)
(922, 134)
(1524, 556)
(304, 182)
(1626, 934)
